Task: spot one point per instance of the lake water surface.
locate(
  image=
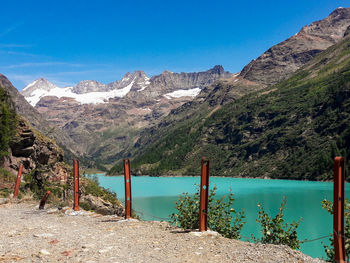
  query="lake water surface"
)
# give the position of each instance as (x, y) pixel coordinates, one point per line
(154, 197)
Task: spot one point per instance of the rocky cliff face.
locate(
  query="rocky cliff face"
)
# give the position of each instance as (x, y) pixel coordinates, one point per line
(281, 60)
(34, 150)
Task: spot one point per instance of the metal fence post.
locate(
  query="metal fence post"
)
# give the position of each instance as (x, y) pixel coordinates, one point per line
(127, 182)
(43, 201)
(338, 209)
(76, 185)
(203, 207)
(18, 180)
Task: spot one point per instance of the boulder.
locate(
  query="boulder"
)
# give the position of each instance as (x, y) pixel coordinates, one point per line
(101, 206)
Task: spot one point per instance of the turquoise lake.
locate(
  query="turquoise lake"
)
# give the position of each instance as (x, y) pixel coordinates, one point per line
(154, 197)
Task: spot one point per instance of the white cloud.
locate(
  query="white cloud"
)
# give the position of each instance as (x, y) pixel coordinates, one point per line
(42, 64)
(15, 45)
(10, 29)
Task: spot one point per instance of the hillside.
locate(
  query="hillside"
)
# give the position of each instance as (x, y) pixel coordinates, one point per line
(36, 120)
(21, 143)
(289, 130)
(43, 161)
(7, 122)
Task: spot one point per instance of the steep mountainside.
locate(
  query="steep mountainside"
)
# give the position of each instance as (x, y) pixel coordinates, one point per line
(20, 143)
(105, 119)
(290, 130)
(35, 119)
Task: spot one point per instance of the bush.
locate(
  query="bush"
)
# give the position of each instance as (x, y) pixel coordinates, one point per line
(274, 231)
(328, 205)
(91, 186)
(222, 218)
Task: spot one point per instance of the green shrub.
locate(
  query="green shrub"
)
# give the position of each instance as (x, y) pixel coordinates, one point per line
(91, 186)
(275, 231)
(6, 176)
(86, 206)
(328, 205)
(7, 181)
(222, 218)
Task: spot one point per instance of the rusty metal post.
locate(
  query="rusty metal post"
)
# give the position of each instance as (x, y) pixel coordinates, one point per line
(18, 180)
(338, 209)
(127, 182)
(203, 207)
(76, 185)
(43, 201)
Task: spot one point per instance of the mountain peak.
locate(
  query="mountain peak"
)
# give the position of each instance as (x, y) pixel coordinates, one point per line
(139, 74)
(40, 83)
(340, 10)
(167, 72)
(218, 69)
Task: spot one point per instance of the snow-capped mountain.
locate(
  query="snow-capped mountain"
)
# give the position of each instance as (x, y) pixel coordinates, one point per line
(103, 118)
(168, 85)
(87, 91)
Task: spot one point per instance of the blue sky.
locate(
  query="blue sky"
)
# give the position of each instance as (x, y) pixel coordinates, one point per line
(68, 41)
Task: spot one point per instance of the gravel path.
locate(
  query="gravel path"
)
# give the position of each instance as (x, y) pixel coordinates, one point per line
(32, 235)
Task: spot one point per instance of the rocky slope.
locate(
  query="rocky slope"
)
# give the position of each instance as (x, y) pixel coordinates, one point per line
(24, 144)
(43, 166)
(35, 119)
(104, 119)
(281, 60)
(34, 150)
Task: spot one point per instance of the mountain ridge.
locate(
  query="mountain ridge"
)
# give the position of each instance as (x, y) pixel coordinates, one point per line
(131, 83)
(281, 60)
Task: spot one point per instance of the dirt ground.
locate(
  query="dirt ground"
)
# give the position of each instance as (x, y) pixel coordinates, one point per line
(32, 235)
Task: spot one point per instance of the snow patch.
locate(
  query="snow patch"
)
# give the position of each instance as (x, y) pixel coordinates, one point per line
(145, 85)
(86, 98)
(183, 93)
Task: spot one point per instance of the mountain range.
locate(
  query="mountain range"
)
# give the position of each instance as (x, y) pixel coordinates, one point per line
(104, 119)
(167, 121)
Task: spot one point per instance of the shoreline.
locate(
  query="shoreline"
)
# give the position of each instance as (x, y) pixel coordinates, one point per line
(236, 177)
